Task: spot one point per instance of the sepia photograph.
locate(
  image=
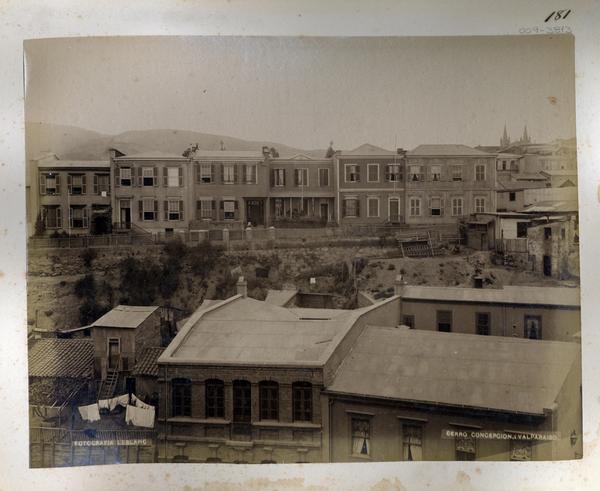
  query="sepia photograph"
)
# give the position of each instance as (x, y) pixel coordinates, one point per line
(275, 250)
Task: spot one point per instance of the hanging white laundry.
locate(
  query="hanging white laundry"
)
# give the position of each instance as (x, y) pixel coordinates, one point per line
(139, 403)
(90, 412)
(140, 417)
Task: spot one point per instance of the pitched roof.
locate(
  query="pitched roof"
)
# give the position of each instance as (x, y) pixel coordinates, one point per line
(61, 358)
(280, 297)
(244, 331)
(146, 364)
(486, 372)
(225, 154)
(519, 185)
(553, 206)
(522, 295)
(368, 149)
(83, 164)
(127, 316)
(448, 150)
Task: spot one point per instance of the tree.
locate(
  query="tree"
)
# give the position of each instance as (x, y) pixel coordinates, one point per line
(40, 226)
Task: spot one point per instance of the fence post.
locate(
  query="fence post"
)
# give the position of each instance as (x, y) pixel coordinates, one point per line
(271, 233)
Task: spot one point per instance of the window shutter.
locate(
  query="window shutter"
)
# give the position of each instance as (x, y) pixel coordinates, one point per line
(165, 176)
(344, 208)
(155, 210)
(59, 217)
(180, 173)
(357, 175)
(83, 184)
(141, 209)
(181, 210)
(70, 184)
(442, 206)
(42, 183)
(85, 217)
(57, 183)
(272, 177)
(140, 179)
(155, 176)
(235, 173)
(95, 183)
(357, 207)
(117, 177)
(221, 174)
(213, 171)
(285, 174)
(70, 217)
(166, 203)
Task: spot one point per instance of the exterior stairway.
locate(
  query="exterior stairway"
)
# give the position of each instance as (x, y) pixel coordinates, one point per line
(108, 384)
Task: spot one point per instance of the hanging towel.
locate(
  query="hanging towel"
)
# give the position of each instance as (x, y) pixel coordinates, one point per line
(140, 417)
(89, 413)
(139, 403)
(112, 403)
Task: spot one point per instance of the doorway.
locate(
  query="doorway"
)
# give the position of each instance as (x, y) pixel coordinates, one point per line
(125, 213)
(114, 351)
(324, 212)
(255, 211)
(394, 214)
(547, 265)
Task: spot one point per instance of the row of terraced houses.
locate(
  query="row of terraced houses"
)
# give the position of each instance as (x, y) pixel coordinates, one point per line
(162, 193)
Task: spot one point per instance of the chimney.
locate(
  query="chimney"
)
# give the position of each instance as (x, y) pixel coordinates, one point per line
(242, 287)
(401, 151)
(399, 285)
(266, 152)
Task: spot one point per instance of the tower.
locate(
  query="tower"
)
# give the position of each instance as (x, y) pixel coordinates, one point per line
(505, 140)
(525, 138)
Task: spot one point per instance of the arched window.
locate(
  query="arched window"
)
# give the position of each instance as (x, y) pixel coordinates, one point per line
(242, 401)
(269, 400)
(215, 399)
(181, 397)
(302, 401)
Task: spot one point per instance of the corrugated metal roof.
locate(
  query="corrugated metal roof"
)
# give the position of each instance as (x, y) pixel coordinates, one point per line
(447, 149)
(61, 358)
(488, 372)
(523, 295)
(147, 362)
(127, 316)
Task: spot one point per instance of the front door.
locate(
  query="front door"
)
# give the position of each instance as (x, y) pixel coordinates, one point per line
(394, 210)
(255, 211)
(324, 212)
(114, 350)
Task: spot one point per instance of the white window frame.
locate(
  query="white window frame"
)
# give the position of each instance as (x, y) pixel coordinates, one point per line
(173, 180)
(437, 167)
(57, 217)
(376, 199)
(440, 208)
(457, 172)
(250, 174)
(390, 172)
(355, 200)
(233, 202)
(476, 204)
(206, 208)
(50, 176)
(412, 174)
(348, 173)
(148, 170)
(369, 172)
(279, 177)
(321, 184)
(228, 173)
(206, 172)
(367, 437)
(390, 199)
(458, 204)
(478, 168)
(302, 172)
(81, 186)
(174, 209)
(125, 175)
(145, 201)
(415, 203)
(84, 216)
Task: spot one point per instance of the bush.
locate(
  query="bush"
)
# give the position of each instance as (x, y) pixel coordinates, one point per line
(90, 310)
(88, 256)
(85, 287)
(203, 258)
(175, 249)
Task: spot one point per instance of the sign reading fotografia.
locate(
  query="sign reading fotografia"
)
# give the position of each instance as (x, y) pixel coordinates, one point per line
(296, 249)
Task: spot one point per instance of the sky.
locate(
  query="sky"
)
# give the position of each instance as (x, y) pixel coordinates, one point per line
(306, 92)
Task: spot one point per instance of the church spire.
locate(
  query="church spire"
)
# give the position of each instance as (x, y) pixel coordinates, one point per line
(505, 140)
(525, 138)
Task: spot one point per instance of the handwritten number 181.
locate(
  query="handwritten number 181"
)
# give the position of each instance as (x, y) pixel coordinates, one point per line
(558, 15)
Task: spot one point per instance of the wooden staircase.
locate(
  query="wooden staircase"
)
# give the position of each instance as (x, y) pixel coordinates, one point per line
(108, 384)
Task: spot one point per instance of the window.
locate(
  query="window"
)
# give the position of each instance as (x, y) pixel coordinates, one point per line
(373, 172)
(415, 173)
(444, 320)
(215, 398)
(373, 207)
(50, 183)
(547, 233)
(393, 173)
(465, 447)
(323, 177)
(521, 229)
(480, 205)
(205, 173)
(457, 207)
(563, 234)
(102, 184)
(229, 206)
(415, 207)
(278, 208)
(532, 327)
(229, 173)
(173, 210)
(52, 216)
(205, 208)
(512, 196)
(148, 176)
(457, 173)
(301, 177)
(361, 436)
(125, 176)
(76, 184)
(352, 173)
(173, 177)
(269, 400)
(480, 172)
(78, 217)
(412, 442)
(149, 209)
(351, 207)
(181, 397)
(482, 323)
(279, 177)
(435, 206)
(520, 449)
(302, 401)
(242, 407)
(250, 174)
(436, 172)
(504, 165)
(409, 320)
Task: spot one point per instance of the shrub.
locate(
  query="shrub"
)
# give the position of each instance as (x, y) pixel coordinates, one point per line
(88, 256)
(85, 287)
